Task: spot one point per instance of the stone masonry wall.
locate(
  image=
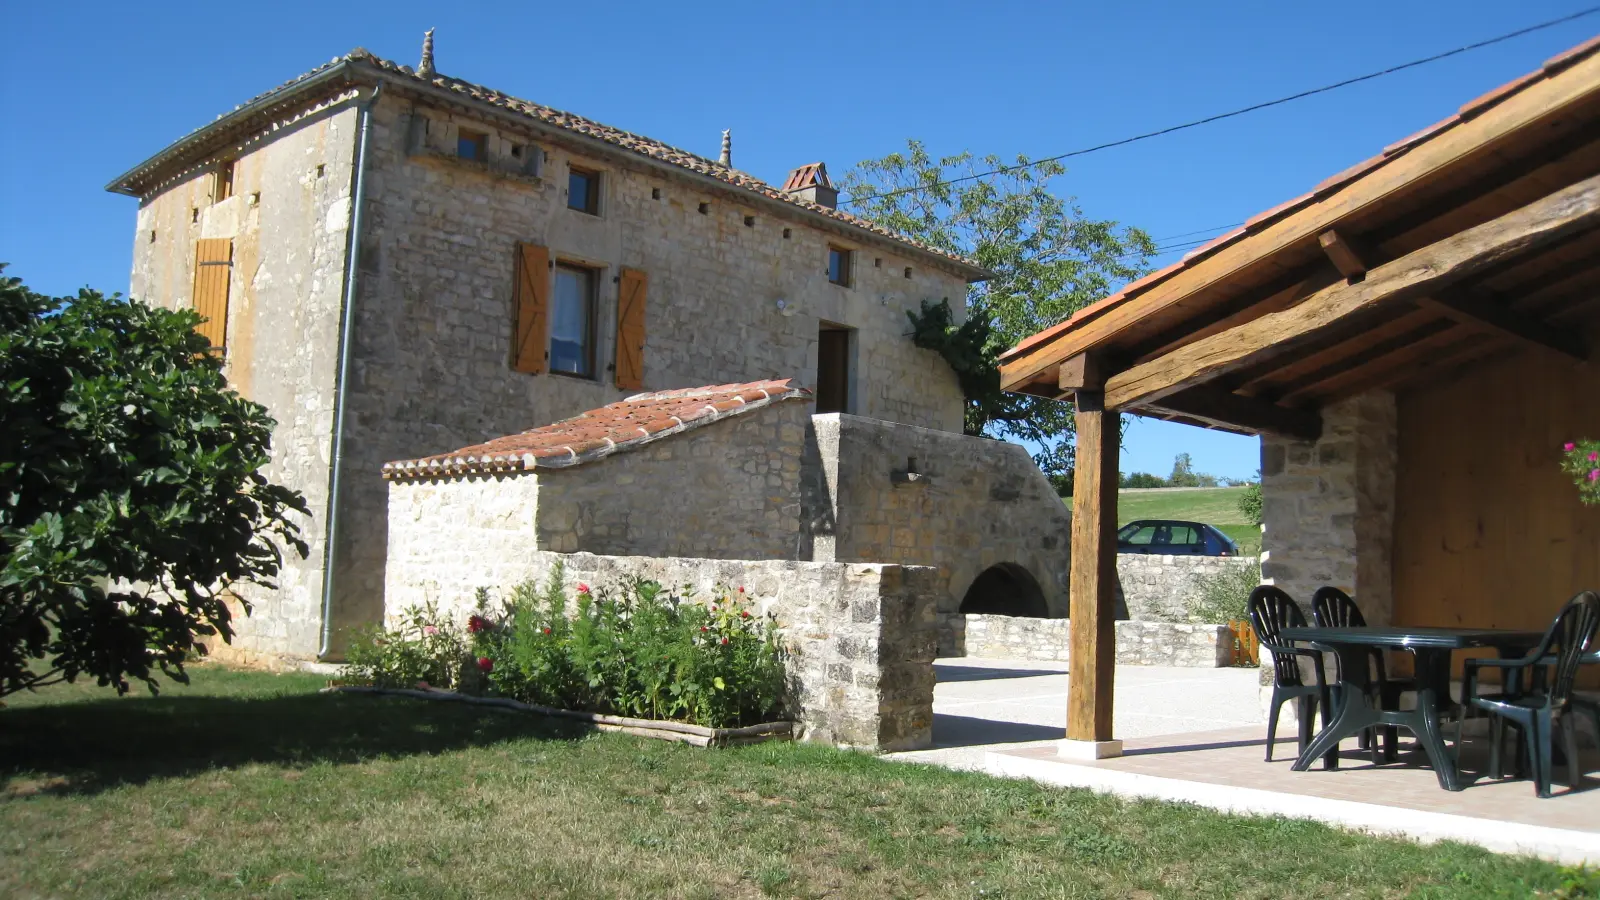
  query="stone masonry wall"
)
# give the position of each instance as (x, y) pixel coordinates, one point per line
(1156, 588)
(728, 490)
(430, 365)
(288, 219)
(976, 503)
(1328, 506)
(862, 636)
(1137, 643)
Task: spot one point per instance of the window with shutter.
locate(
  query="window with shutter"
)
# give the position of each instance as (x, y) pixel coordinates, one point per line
(213, 268)
(630, 329)
(531, 299)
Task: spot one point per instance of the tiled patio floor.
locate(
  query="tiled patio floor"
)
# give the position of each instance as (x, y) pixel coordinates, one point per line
(1224, 769)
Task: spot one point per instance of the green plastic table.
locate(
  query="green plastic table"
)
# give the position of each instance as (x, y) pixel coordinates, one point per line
(1432, 648)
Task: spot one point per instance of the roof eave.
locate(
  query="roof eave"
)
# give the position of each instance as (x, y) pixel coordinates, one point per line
(175, 151)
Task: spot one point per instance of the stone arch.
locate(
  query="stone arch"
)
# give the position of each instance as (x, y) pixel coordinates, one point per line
(1006, 589)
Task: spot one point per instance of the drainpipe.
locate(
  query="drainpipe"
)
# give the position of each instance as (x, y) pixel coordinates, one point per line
(352, 271)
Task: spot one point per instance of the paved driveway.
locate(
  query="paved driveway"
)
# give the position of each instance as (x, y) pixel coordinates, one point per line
(980, 703)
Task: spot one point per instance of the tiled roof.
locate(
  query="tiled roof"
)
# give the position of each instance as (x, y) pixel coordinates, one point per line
(624, 425)
(1261, 220)
(467, 91)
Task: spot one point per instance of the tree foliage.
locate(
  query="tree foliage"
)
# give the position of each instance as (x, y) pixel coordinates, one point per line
(131, 496)
(1048, 258)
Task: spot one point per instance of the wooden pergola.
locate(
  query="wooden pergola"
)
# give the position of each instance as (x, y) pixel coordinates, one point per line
(1474, 239)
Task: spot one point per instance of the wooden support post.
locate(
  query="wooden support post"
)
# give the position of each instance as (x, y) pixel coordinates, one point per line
(1093, 589)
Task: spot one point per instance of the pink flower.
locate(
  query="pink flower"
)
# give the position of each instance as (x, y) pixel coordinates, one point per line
(1594, 474)
(477, 624)
(485, 664)
(583, 588)
(429, 630)
(1594, 456)
(1569, 446)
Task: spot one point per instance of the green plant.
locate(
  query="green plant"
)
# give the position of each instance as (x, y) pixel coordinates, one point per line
(1142, 480)
(421, 647)
(1250, 502)
(1581, 460)
(635, 650)
(1224, 595)
(132, 499)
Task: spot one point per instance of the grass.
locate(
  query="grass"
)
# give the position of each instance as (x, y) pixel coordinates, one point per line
(251, 785)
(1213, 506)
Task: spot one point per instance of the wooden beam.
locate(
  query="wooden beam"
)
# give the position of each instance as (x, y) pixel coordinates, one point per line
(1271, 378)
(1349, 255)
(1081, 372)
(1378, 370)
(1422, 273)
(1482, 314)
(1225, 409)
(1092, 589)
(1532, 109)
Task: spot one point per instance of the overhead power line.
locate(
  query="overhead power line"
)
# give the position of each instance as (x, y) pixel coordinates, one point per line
(1238, 112)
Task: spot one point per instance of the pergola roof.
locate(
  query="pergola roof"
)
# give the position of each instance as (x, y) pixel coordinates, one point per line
(1475, 237)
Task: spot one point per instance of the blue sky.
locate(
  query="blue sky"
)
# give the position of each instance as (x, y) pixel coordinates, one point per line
(92, 88)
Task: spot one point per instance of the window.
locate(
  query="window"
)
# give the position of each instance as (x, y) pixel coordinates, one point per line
(583, 191)
(1160, 537)
(839, 266)
(223, 189)
(572, 322)
(833, 368)
(472, 145)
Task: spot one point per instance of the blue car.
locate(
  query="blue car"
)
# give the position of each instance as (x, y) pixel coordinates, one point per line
(1172, 537)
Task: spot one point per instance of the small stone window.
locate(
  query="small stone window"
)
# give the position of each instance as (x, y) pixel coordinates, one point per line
(839, 266)
(655, 193)
(473, 145)
(749, 221)
(908, 271)
(705, 209)
(222, 187)
(583, 191)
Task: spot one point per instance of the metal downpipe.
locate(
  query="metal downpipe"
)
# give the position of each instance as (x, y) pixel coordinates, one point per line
(352, 272)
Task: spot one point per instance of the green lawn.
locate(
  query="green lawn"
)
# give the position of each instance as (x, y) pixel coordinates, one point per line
(254, 785)
(1213, 506)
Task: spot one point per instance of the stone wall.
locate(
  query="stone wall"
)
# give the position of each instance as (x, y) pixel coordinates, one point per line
(972, 503)
(1158, 588)
(862, 636)
(289, 219)
(1137, 643)
(1328, 506)
(430, 365)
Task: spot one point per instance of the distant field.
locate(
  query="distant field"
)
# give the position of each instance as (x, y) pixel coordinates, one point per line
(1213, 506)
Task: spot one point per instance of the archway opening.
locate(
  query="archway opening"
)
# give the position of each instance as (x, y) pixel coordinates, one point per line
(1006, 589)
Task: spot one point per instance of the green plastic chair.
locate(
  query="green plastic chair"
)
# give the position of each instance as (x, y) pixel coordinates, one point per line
(1271, 611)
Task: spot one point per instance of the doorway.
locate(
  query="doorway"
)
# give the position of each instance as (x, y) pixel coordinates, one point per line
(835, 344)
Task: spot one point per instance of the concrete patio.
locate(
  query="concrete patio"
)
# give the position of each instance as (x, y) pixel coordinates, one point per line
(1005, 716)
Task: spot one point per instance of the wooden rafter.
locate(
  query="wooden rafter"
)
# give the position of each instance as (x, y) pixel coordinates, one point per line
(1383, 369)
(1418, 274)
(1351, 256)
(1222, 409)
(1484, 314)
(1275, 376)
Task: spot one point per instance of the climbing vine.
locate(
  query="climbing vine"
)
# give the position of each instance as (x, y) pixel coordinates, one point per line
(973, 350)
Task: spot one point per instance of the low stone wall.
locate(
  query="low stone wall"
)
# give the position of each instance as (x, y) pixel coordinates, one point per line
(1138, 643)
(1159, 588)
(862, 636)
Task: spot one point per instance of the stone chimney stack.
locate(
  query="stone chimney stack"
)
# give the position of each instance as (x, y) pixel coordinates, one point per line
(810, 182)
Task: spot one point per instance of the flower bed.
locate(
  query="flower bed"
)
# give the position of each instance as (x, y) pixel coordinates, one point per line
(635, 651)
(1581, 460)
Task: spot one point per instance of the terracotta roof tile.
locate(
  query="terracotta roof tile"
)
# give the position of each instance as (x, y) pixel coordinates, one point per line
(1327, 186)
(624, 425)
(568, 121)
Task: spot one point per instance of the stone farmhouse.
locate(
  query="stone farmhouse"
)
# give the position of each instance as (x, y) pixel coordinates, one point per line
(396, 262)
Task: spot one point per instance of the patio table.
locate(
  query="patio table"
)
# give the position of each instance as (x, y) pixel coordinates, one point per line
(1432, 648)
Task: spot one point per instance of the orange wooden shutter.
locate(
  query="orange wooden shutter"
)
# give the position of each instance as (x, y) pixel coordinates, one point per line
(531, 297)
(213, 268)
(630, 329)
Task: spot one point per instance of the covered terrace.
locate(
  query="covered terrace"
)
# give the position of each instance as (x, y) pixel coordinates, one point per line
(1413, 340)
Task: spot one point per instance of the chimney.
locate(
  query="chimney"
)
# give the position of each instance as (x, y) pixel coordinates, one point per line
(810, 182)
(726, 159)
(425, 68)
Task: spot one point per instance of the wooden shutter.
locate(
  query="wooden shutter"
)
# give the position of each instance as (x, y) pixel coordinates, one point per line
(213, 270)
(531, 298)
(630, 329)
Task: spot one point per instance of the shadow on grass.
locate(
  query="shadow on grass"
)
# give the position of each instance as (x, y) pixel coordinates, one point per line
(86, 747)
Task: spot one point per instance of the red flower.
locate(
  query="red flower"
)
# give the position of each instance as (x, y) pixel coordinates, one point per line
(485, 664)
(547, 629)
(741, 588)
(724, 640)
(744, 613)
(583, 588)
(477, 624)
(703, 628)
